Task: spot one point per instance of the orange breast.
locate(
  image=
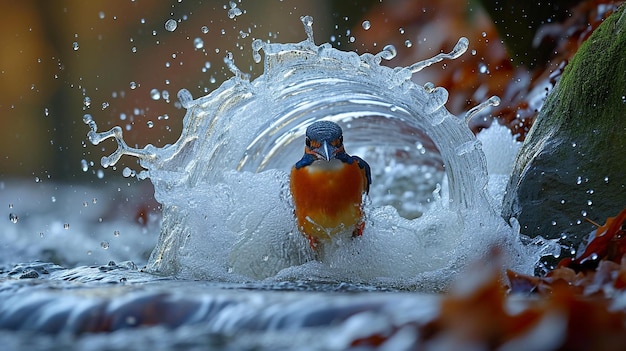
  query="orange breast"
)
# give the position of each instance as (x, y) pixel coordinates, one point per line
(327, 197)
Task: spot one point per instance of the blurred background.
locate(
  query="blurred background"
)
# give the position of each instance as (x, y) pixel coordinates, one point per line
(123, 62)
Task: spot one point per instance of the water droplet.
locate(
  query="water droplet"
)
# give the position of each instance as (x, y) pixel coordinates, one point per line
(150, 124)
(198, 43)
(75, 46)
(41, 235)
(579, 180)
(366, 25)
(606, 179)
(553, 222)
(155, 94)
(66, 226)
(84, 165)
(482, 68)
(53, 199)
(583, 213)
(233, 11)
(104, 245)
(133, 85)
(46, 112)
(389, 52)
(589, 202)
(170, 25)
(101, 15)
(594, 256)
(484, 34)
(266, 258)
(87, 102)
(408, 43)
(116, 233)
(204, 29)
(401, 30)
(105, 105)
(13, 218)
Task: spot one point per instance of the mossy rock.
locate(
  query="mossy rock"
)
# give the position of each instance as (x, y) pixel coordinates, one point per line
(572, 163)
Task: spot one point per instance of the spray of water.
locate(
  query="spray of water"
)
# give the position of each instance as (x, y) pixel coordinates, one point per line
(227, 211)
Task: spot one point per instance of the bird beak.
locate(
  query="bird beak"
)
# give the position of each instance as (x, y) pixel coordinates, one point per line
(325, 152)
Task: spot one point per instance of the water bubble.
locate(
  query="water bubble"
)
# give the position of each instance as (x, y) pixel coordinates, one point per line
(589, 202)
(116, 233)
(170, 25)
(66, 226)
(482, 68)
(46, 112)
(101, 14)
(100, 174)
(401, 30)
(87, 102)
(155, 94)
(13, 218)
(408, 43)
(104, 245)
(366, 25)
(53, 199)
(198, 43)
(105, 105)
(583, 213)
(133, 85)
(150, 124)
(606, 179)
(84, 165)
(75, 46)
(204, 29)
(579, 180)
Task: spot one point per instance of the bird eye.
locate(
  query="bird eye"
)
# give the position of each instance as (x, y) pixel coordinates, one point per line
(308, 142)
(337, 142)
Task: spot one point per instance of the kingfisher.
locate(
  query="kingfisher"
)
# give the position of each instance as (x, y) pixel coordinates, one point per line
(328, 186)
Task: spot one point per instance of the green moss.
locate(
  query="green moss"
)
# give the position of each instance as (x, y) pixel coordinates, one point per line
(594, 82)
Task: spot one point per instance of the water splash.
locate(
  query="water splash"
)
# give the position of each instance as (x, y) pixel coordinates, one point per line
(227, 211)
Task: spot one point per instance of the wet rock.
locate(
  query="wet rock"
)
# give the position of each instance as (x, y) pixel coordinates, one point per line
(571, 165)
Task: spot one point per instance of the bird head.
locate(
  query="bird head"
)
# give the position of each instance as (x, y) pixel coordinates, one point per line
(324, 140)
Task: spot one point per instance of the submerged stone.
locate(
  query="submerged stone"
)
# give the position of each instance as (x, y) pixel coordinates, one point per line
(571, 164)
